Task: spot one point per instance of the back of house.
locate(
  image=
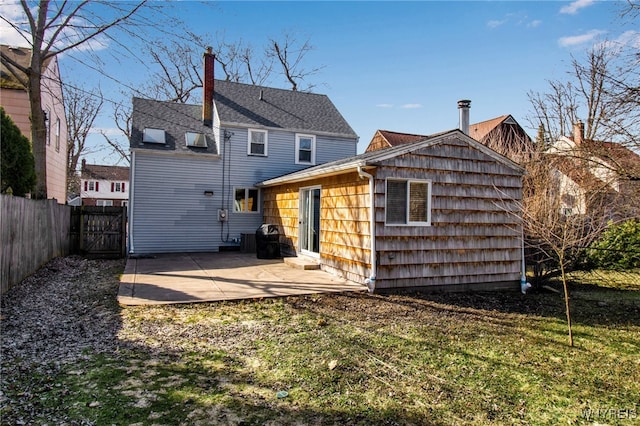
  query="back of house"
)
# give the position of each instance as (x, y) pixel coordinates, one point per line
(194, 168)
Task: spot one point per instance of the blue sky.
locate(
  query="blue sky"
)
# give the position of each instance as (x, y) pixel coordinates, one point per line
(404, 65)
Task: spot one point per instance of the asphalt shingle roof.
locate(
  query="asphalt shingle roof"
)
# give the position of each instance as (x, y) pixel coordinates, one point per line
(100, 172)
(175, 119)
(252, 105)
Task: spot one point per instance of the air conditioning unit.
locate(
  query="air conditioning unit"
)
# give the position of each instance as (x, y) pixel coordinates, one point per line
(223, 215)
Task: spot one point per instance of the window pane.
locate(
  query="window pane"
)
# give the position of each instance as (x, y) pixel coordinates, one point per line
(418, 193)
(305, 143)
(239, 205)
(257, 148)
(396, 202)
(252, 200)
(257, 137)
(304, 156)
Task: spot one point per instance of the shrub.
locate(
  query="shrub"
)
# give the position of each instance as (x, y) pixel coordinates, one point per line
(18, 166)
(618, 248)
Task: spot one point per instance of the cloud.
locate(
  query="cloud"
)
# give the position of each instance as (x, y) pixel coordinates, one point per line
(109, 131)
(495, 23)
(627, 39)
(411, 106)
(579, 39)
(384, 105)
(8, 34)
(573, 8)
(515, 19)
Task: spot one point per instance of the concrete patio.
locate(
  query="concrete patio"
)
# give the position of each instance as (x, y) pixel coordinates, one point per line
(209, 277)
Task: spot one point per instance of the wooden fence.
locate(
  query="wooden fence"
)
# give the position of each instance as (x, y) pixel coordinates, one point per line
(32, 233)
(99, 231)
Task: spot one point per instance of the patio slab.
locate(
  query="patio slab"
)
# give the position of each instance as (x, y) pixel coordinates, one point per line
(209, 277)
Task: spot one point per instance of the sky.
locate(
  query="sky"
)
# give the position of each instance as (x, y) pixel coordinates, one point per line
(399, 66)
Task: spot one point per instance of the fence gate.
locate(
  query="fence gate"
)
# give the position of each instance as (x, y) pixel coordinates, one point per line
(99, 231)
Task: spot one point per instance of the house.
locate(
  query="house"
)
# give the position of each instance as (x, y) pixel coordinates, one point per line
(194, 168)
(104, 185)
(505, 136)
(502, 134)
(441, 212)
(596, 177)
(15, 102)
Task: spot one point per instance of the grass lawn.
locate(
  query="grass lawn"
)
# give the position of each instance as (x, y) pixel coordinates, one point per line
(441, 359)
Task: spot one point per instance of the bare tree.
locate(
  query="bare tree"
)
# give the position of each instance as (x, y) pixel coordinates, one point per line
(602, 91)
(564, 211)
(51, 29)
(81, 108)
(290, 54)
(122, 119)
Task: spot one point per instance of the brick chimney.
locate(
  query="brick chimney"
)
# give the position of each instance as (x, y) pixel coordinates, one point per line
(463, 106)
(207, 88)
(578, 133)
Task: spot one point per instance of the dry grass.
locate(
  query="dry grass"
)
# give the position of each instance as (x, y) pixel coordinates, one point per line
(483, 358)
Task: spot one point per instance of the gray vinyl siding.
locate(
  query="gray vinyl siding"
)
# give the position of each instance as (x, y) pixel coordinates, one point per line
(169, 211)
(252, 169)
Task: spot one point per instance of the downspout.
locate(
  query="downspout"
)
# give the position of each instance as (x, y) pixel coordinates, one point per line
(371, 281)
(132, 172)
(524, 285)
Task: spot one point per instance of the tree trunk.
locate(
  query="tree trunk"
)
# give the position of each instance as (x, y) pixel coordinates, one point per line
(38, 125)
(566, 300)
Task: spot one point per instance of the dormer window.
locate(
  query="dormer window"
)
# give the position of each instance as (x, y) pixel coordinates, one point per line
(198, 140)
(150, 135)
(258, 142)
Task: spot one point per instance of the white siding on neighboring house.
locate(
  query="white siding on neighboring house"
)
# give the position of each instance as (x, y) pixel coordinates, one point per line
(106, 189)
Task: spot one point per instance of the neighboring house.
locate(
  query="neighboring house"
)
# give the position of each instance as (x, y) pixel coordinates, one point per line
(505, 136)
(194, 168)
(440, 213)
(596, 177)
(104, 185)
(15, 101)
(502, 134)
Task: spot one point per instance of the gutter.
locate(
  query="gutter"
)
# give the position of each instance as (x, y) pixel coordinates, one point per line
(371, 281)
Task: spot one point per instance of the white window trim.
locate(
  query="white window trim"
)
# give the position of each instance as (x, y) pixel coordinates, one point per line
(313, 149)
(104, 203)
(266, 142)
(246, 189)
(409, 181)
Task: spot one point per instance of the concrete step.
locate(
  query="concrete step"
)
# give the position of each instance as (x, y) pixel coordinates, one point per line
(302, 263)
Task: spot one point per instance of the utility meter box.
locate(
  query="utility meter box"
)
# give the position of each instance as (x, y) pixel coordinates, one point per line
(223, 215)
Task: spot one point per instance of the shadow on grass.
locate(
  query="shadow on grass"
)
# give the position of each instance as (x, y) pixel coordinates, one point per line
(591, 305)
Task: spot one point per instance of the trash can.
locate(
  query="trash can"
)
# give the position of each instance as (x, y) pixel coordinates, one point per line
(268, 242)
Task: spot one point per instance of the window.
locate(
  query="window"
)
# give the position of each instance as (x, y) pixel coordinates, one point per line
(104, 203)
(47, 125)
(257, 142)
(305, 149)
(246, 200)
(153, 135)
(198, 140)
(91, 185)
(117, 187)
(57, 134)
(408, 202)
